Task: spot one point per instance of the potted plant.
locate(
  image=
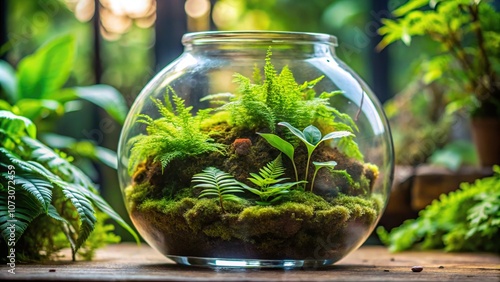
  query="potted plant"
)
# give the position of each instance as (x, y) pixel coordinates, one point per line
(468, 35)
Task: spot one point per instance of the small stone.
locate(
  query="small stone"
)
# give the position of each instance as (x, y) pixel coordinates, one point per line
(392, 259)
(441, 267)
(52, 270)
(242, 146)
(417, 268)
(386, 270)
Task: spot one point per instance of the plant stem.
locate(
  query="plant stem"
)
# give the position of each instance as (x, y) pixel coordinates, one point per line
(296, 173)
(307, 167)
(483, 58)
(314, 178)
(221, 205)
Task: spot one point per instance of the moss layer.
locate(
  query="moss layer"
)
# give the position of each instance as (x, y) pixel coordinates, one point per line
(305, 226)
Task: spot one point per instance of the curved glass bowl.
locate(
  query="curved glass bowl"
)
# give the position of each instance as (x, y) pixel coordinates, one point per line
(256, 149)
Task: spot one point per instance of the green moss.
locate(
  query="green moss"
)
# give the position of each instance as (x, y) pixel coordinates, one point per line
(282, 221)
(308, 199)
(204, 212)
(359, 208)
(332, 219)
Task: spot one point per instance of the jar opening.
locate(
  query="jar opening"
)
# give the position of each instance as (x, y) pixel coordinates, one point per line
(261, 37)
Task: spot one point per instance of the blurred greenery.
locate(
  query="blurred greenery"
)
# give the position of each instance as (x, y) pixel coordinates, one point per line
(126, 64)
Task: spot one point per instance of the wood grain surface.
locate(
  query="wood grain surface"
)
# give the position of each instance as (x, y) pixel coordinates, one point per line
(129, 262)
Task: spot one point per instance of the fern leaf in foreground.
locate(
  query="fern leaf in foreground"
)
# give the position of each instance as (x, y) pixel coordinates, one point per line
(217, 183)
(27, 208)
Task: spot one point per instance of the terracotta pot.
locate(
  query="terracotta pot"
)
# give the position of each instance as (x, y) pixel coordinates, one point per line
(486, 135)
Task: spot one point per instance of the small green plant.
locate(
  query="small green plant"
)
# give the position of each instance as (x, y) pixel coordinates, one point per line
(468, 36)
(464, 220)
(311, 137)
(48, 191)
(219, 184)
(267, 180)
(177, 134)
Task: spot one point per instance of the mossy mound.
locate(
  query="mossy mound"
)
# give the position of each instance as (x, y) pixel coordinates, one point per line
(304, 226)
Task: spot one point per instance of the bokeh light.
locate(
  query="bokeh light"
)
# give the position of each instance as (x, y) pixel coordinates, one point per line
(116, 16)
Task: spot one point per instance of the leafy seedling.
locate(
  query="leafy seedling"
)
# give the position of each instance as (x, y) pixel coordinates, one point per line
(318, 165)
(311, 137)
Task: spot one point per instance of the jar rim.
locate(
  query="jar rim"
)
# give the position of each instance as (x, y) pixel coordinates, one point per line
(261, 37)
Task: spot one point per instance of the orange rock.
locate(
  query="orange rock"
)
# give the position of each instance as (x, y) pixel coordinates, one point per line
(242, 146)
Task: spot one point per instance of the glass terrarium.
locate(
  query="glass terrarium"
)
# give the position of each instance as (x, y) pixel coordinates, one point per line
(256, 149)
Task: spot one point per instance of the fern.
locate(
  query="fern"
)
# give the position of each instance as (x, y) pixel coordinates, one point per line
(177, 134)
(27, 208)
(278, 97)
(37, 186)
(47, 187)
(269, 174)
(219, 184)
(467, 219)
(270, 190)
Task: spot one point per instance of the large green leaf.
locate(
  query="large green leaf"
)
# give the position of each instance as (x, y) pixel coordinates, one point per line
(103, 206)
(16, 125)
(36, 108)
(46, 71)
(280, 144)
(85, 149)
(17, 220)
(8, 81)
(84, 209)
(34, 184)
(65, 170)
(106, 97)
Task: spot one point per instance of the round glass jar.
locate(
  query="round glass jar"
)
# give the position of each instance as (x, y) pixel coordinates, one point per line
(256, 149)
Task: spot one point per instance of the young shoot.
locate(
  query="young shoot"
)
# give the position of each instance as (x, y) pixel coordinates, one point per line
(311, 137)
(318, 165)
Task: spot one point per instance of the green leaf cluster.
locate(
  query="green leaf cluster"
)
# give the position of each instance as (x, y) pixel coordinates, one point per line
(219, 184)
(464, 220)
(36, 184)
(468, 62)
(263, 102)
(311, 137)
(270, 187)
(37, 91)
(176, 134)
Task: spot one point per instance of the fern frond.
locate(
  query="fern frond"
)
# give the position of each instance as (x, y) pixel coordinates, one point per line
(55, 163)
(269, 174)
(176, 134)
(217, 183)
(85, 211)
(27, 208)
(37, 186)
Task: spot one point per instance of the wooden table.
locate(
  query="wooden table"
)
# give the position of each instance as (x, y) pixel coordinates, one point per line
(128, 262)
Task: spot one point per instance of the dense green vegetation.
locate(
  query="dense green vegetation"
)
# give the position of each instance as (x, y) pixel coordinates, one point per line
(464, 220)
(54, 203)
